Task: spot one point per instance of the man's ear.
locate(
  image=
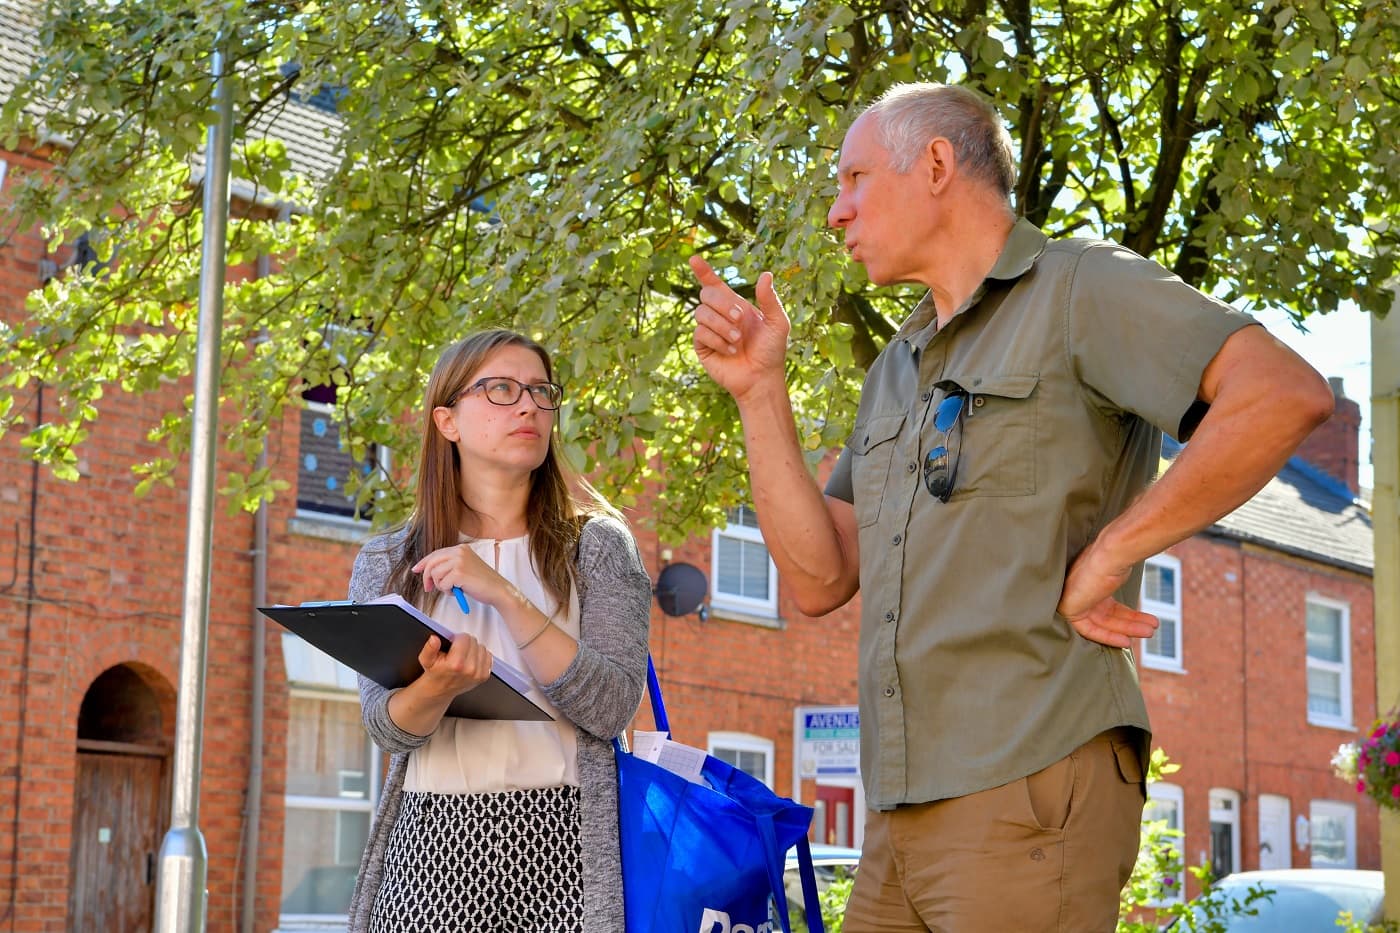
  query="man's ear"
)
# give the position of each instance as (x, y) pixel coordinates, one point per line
(442, 417)
(940, 163)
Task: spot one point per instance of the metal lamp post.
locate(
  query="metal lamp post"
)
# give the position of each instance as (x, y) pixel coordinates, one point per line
(182, 873)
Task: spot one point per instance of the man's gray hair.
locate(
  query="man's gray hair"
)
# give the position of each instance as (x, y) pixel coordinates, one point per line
(909, 116)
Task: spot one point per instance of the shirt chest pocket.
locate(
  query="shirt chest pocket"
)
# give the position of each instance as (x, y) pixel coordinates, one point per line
(872, 446)
(997, 451)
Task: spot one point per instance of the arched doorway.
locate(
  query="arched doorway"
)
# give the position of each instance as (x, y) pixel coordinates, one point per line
(120, 798)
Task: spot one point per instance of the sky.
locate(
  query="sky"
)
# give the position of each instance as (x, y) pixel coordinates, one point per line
(1336, 344)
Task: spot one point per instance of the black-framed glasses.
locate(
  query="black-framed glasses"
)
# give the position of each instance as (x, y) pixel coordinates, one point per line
(503, 390)
(941, 463)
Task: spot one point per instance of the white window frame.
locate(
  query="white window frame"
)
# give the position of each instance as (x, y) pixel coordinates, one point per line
(1229, 815)
(1152, 659)
(381, 459)
(329, 803)
(767, 608)
(1327, 810)
(745, 742)
(1171, 793)
(1342, 669)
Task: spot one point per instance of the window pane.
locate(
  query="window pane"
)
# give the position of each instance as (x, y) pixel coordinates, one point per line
(741, 568)
(729, 565)
(322, 855)
(1168, 810)
(755, 561)
(1159, 584)
(1159, 809)
(1329, 841)
(750, 762)
(1324, 633)
(743, 515)
(1324, 692)
(327, 749)
(1163, 641)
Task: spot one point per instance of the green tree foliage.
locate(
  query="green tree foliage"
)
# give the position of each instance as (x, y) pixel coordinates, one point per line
(1153, 900)
(1248, 146)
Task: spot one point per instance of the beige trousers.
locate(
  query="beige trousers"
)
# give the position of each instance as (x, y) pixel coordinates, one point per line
(1048, 853)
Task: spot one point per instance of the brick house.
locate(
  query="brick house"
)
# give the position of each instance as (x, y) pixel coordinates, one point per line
(1281, 589)
(90, 618)
(1265, 663)
(87, 718)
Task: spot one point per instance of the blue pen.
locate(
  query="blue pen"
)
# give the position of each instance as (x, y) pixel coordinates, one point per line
(462, 600)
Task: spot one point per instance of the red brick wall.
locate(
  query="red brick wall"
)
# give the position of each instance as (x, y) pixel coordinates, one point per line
(1237, 719)
(729, 675)
(109, 574)
(107, 590)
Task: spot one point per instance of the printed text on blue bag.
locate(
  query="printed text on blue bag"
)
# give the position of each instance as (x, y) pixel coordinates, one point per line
(717, 921)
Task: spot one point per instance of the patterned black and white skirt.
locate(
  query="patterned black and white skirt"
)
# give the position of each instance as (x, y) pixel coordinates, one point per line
(483, 863)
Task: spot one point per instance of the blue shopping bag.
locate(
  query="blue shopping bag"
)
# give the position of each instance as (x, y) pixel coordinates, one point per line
(706, 858)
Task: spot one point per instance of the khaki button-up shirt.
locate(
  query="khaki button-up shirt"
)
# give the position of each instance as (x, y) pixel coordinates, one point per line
(1074, 355)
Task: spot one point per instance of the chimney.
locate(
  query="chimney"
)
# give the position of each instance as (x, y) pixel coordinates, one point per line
(1332, 448)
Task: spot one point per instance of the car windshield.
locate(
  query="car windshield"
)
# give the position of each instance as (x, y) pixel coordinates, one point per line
(1293, 908)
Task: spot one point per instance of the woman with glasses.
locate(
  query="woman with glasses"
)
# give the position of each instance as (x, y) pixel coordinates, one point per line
(483, 825)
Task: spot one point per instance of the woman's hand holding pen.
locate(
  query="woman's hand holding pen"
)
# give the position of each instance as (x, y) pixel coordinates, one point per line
(419, 707)
(548, 650)
(460, 566)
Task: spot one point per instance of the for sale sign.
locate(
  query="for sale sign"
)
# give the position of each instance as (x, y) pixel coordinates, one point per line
(828, 740)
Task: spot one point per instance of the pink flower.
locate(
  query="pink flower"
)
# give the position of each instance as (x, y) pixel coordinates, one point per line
(1361, 787)
(1380, 731)
(1392, 758)
(1395, 791)
(1363, 759)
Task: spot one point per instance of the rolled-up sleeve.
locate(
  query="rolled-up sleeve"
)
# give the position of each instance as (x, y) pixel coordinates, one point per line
(1140, 338)
(838, 484)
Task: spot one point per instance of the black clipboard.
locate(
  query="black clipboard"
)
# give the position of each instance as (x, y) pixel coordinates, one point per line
(381, 639)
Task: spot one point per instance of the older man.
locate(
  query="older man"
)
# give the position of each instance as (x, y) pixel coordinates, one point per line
(994, 504)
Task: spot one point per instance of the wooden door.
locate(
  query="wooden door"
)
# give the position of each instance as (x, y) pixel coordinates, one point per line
(838, 806)
(116, 838)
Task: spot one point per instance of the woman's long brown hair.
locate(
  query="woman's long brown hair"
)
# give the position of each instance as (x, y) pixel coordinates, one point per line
(560, 500)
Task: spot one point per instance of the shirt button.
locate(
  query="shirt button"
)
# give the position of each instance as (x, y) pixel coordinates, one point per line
(925, 396)
(912, 466)
(979, 401)
(896, 539)
(889, 617)
(889, 691)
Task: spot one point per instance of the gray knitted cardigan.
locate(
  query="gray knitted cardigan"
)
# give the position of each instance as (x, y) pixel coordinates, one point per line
(599, 692)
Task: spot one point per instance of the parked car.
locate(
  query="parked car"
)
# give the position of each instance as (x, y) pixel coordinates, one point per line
(828, 863)
(1303, 900)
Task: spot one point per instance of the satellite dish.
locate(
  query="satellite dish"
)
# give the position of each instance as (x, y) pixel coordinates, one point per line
(681, 589)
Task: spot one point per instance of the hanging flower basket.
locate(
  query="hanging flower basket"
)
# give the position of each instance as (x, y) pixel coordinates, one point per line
(1372, 763)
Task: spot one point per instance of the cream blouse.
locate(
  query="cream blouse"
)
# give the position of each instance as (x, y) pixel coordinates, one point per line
(476, 756)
